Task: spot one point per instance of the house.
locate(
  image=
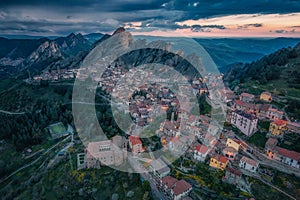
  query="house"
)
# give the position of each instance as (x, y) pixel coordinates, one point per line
(270, 145)
(177, 189)
(245, 122)
(246, 97)
(248, 164)
(159, 168)
(247, 107)
(201, 152)
(274, 113)
(291, 158)
(232, 176)
(288, 157)
(233, 143)
(266, 96)
(135, 144)
(167, 183)
(227, 95)
(229, 152)
(219, 162)
(277, 127)
(181, 189)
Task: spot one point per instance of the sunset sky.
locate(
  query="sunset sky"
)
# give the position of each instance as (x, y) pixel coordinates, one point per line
(200, 18)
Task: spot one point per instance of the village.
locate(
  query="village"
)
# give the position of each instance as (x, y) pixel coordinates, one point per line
(190, 136)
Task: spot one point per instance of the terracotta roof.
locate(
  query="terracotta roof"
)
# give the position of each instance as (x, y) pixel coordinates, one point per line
(169, 181)
(245, 104)
(271, 142)
(279, 122)
(265, 107)
(134, 140)
(244, 94)
(202, 149)
(234, 171)
(289, 154)
(221, 159)
(180, 187)
(249, 161)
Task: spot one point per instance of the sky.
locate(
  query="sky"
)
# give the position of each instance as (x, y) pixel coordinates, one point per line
(199, 18)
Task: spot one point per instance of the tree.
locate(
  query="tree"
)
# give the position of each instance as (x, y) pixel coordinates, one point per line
(146, 186)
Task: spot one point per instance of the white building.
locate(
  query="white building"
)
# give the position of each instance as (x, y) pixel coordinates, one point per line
(201, 152)
(244, 122)
(248, 164)
(106, 152)
(159, 168)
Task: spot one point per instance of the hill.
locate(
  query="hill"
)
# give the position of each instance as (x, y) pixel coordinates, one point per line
(278, 72)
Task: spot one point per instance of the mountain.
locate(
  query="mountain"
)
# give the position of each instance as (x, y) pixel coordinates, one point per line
(278, 73)
(17, 55)
(93, 37)
(227, 51)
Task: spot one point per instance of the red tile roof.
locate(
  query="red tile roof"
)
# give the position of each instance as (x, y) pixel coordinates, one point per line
(244, 94)
(249, 161)
(234, 171)
(289, 154)
(221, 159)
(134, 140)
(202, 149)
(180, 187)
(279, 122)
(169, 181)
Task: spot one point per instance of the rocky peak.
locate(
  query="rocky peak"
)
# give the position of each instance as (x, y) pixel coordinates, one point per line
(119, 30)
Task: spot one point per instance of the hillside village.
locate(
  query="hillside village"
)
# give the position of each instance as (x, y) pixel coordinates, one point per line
(228, 151)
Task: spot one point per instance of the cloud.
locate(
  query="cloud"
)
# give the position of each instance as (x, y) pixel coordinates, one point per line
(245, 26)
(67, 16)
(206, 28)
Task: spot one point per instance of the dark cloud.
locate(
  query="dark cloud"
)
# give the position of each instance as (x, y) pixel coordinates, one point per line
(206, 28)
(245, 26)
(106, 15)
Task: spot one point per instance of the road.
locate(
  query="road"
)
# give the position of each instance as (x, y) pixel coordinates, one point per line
(267, 183)
(34, 161)
(146, 176)
(264, 160)
(12, 113)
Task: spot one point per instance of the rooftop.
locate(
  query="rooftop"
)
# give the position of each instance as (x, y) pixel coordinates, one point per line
(244, 114)
(220, 158)
(249, 161)
(181, 186)
(202, 149)
(134, 140)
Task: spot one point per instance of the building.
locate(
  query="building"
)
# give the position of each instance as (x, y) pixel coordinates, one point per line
(248, 164)
(159, 168)
(270, 145)
(245, 122)
(135, 144)
(201, 152)
(176, 189)
(246, 97)
(105, 152)
(291, 158)
(219, 162)
(181, 189)
(229, 152)
(227, 95)
(277, 127)
(247, 107)
(232, 176)
(274, 113)
(266, 96)
(233, 143)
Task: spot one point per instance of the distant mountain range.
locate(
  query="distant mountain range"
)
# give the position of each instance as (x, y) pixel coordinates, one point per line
(35, 54)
